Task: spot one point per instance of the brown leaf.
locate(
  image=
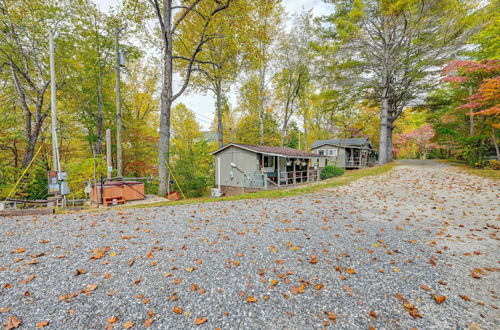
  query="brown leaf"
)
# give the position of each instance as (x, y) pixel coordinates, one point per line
(29, 279)
(13, 323)
(148, 322)
(314, 260)
(475, 275)
(20, 250)
(439, 299)
(79, 271)
(332, 316)
(251, 299)
(91, 287)
(177, 310)
(412, 310)
(112, 319)
(372, 314)
(131, 262)
(128, 325)
(464, 297)
(200, 320)
(99, 253)
(351, 271)
(42, 324)
(4, 310)
(67, 297)
(318, 286)
(425, 287)
(338, 268)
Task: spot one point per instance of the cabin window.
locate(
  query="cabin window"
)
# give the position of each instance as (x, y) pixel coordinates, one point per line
(321, 152)
(268, 161)
(332, 152)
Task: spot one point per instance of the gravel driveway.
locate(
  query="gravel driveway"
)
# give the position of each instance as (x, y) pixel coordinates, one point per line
(416, 247)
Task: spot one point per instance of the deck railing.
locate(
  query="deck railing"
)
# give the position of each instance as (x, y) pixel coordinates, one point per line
(260, 180)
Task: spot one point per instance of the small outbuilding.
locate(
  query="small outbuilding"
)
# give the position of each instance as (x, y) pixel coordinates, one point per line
(243, 168)
(354, 153)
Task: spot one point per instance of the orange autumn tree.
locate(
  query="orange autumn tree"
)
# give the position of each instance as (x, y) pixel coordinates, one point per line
(483, 82)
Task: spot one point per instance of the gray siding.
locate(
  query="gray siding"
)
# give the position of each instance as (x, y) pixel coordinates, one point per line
(245, 160)
(339, 160)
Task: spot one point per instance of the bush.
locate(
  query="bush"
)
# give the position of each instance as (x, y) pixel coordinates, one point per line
(493, 164)
(330, 172)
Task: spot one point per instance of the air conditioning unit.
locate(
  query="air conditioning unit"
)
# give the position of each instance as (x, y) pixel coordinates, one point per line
(216, 192)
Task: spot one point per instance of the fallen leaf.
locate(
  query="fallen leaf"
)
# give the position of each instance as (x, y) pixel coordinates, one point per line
(79, 271)
(5, 309)
(251, 299)
(440, 299)
(91, 287)
(42, 324)
(190, 269)
(318, 286)
(29, 279)
(372, 314)
(464, 297)
(425, 287)
(99, 253)
(200, 320)
(20, 250)
(112, 319)
(351, 271)
(128, 325)
(148, 322)
(332, 316)
(177, 310)
(13, 323)
(314, 260)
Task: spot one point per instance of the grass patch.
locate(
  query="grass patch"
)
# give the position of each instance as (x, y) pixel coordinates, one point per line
(347, 178)
(485, 173)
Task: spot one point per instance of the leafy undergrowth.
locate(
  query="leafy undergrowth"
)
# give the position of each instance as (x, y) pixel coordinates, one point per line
(482, 172)
(330, 183)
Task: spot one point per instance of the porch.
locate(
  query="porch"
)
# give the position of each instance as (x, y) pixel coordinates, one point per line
(279, 172)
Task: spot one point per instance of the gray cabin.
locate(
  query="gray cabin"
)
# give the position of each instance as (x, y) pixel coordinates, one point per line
(354, 153)
(243, 168)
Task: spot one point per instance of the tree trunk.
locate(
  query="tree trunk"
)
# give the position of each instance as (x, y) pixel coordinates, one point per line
(304, 118)
(261, 94)
(384, 113)
(390, 128)
(166, 101)
(220, 128)
(98, 147)
(495, 142)
(332, 126)
(471, 118)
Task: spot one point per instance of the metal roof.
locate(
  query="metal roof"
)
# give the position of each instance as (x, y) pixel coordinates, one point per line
(270, 150)
(352, 142)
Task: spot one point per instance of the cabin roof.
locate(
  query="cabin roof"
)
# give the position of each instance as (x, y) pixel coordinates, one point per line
(353, 142)
(270, 150)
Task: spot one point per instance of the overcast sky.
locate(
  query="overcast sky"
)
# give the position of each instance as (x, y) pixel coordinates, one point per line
(204, 105)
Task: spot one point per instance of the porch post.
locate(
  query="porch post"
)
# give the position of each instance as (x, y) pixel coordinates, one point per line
(294, 173)
(278, 164)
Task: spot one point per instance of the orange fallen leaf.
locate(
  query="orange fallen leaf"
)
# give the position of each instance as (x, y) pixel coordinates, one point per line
(91, 287)
(474, 275)
(4, 310)
(464, 297)
(42, 324)
(99, 253)
(332, 316)
(13, 323)
(200, 320)
(251, 299)
(318, 286)
(372, 314)
(128, 325)
(440, 299)
(148, 322)
(112, 319)
(20, 250)
(177, 310)
(29, 279)
(425, 287)
(314, 260)
(351, 271)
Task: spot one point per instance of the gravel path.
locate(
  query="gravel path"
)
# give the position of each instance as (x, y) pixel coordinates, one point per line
(370, 254)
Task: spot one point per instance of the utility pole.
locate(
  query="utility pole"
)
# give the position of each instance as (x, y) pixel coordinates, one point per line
(108, 153)
(119, 163)
(53, 91)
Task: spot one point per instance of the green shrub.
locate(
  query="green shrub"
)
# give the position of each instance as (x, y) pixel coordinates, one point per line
(331, 171)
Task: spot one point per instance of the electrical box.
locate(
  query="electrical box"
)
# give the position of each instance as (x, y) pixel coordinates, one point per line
(53, 184)
(62, 175)
(64, 188)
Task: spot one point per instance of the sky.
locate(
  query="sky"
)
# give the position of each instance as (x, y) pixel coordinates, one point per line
(204, 105)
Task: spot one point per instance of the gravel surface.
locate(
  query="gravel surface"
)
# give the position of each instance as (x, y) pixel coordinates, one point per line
(370, 254)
